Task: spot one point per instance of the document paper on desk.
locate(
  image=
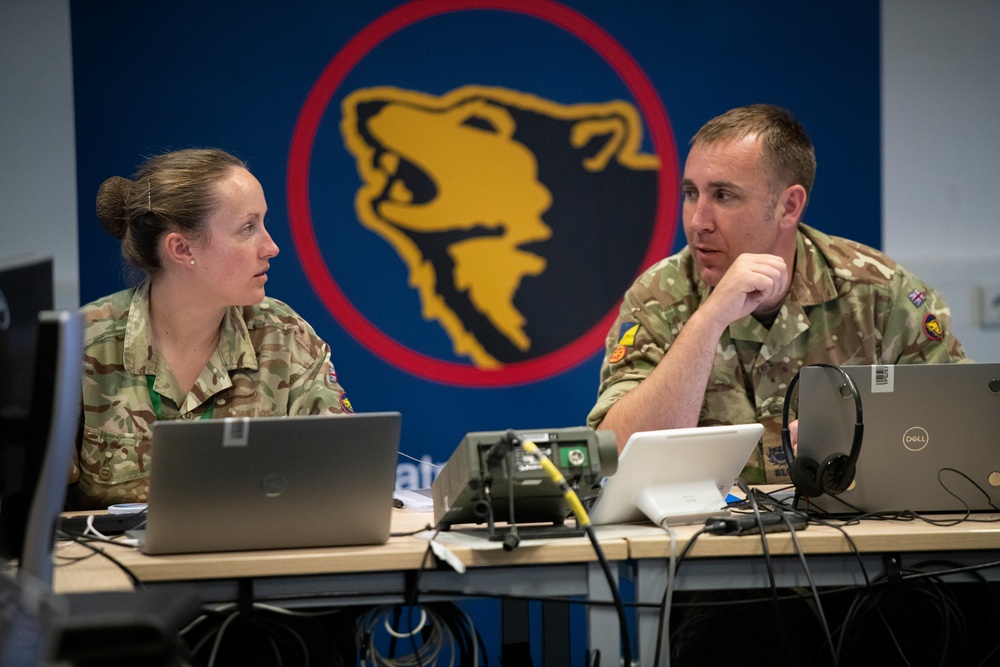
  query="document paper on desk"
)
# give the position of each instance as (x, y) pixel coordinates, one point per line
(928, 429)
(272, 482)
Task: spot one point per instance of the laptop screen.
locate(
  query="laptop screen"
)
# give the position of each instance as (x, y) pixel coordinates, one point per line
(272, 482)
(931, 435)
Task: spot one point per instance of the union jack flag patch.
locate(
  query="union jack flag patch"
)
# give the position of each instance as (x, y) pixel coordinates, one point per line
(918, 298)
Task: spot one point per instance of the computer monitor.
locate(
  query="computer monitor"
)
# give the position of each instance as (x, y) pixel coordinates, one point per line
(42, 353)
(25, 291)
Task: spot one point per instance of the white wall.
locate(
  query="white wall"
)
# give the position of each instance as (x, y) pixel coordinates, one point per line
(940, 184)
(940, 181)
(37, 146)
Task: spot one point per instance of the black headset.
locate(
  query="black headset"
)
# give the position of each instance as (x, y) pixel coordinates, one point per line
(836, 473)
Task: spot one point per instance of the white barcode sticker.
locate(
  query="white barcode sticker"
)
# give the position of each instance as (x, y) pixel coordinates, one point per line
(235, 432)
(882, 379)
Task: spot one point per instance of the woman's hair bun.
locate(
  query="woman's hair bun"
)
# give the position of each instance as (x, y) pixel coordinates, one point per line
(111, 197)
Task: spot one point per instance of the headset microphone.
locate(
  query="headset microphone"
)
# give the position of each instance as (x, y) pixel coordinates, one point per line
(835, 473)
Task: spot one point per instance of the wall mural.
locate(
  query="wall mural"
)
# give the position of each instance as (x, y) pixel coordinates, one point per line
(462, 190)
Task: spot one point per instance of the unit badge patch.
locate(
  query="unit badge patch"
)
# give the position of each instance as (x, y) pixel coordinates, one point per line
(932, 327)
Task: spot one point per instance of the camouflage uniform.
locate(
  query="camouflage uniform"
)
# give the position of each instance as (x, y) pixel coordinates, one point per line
(847, 304)
(269, 362)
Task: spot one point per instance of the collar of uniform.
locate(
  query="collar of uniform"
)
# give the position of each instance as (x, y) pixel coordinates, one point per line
(140, 357)
(812, 283)
(236, 349)
(703, 289)
(213, 379)
(748, 328)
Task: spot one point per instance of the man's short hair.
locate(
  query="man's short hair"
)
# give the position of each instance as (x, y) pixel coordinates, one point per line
(786, 149)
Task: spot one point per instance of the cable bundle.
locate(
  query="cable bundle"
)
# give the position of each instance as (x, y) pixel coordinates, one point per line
(435, 631)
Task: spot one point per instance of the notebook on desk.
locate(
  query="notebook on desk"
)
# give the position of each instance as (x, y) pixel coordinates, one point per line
(931, 435)
(676, 476)
(271, 483)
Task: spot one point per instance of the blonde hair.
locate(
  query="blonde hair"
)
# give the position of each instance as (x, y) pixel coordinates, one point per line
(170, 192)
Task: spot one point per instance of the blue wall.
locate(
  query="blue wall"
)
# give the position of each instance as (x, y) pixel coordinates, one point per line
(267, 80)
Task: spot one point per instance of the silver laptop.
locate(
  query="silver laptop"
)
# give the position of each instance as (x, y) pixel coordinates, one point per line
(931, 435)
(271, 483)
(676, 476)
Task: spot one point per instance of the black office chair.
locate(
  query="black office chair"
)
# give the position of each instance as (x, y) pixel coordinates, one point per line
(131, 628)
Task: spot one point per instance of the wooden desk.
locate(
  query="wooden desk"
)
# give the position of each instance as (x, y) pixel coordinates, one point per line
(218, 572)
(566, 567)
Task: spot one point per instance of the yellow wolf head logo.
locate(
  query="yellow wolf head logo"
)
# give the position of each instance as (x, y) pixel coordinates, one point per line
(466, 187)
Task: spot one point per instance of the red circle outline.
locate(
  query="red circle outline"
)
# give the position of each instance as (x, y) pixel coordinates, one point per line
(300, 217)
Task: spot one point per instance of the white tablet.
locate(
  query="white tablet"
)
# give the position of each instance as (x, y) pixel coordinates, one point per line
(676, 476)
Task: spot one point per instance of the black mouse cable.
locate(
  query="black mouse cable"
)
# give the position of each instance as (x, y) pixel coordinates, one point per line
(763, 536)
(668, 595)
(136, 582)
(814, 590)
(767, 559)
(968, 510)
(837, 648)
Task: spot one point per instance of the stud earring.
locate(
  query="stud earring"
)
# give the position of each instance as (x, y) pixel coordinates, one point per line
(192, 262)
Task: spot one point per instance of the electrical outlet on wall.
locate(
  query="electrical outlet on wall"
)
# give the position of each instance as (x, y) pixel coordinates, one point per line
(989, 306)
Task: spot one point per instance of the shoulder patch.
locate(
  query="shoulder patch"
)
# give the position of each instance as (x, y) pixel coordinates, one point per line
(617, 355)
(627, 333)
(932, 327)
(917, 297)
(626, 339)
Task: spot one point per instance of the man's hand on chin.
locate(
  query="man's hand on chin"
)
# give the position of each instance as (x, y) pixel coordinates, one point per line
(753, 283)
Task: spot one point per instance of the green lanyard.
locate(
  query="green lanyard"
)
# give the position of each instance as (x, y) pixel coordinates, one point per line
(154, 399)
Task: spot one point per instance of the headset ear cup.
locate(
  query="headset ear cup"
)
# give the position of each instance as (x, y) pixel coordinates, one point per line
(805, 474)
(836, 474)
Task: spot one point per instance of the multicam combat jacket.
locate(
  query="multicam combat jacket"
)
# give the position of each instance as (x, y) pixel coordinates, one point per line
(847, 304)
(269, 362)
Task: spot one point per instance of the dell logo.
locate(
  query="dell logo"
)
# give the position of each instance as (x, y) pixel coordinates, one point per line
(915, 438)
(273, 485)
